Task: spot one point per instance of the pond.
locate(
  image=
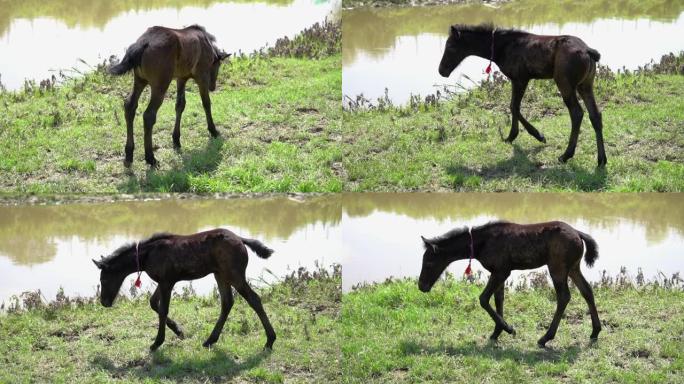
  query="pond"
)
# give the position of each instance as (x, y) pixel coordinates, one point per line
(400, 48)
(381, 232)
(51, 246)
(39, 39)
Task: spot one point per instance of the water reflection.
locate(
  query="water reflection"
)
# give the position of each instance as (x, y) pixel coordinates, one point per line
(37, 37)
(400, 48)
(381, 231)
(44, 247)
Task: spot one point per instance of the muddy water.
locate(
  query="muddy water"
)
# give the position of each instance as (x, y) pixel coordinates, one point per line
(381, 232)
(37, 39)
(45, 247)
(400, 48)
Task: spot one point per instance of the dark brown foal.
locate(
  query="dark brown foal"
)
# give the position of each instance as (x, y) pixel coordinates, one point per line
(501, 247)
(168, 259)
(156, 58)
(523, 56)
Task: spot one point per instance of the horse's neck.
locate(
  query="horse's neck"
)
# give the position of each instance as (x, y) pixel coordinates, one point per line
(484, 46)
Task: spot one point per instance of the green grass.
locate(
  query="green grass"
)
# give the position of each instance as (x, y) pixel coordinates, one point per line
(279, 118)
(394, 333)
(457, 144)
(90, 343)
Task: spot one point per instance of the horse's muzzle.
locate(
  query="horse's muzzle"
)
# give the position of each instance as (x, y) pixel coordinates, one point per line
(106, 303)
(424, 287)
(443, 72)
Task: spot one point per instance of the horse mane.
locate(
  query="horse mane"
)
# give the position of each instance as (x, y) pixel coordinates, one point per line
(453, 234)
(486, 28)
(129, 246)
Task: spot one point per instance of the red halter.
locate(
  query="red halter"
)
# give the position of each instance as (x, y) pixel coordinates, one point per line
(138, 283)
(469, 270)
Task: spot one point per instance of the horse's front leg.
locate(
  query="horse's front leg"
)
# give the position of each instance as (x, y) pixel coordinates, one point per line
(180, 107)
(206, 104)
(164, 301)
(154, 304)
(495, 282)
(499, 302)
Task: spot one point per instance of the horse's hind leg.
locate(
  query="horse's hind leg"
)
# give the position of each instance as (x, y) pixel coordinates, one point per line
(499, 302)
(206, 104)
(560, 283)
(568, 89)
(130, 105)
(180, 107)
(154, 303)
(585, 290)
(227, 301)
(150, 117)
(495, 282)
(586, 90)
(255, 302)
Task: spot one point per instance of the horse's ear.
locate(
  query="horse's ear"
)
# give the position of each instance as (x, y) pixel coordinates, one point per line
(454, 32)
(427, 244)
(223, 55)
(98, 264)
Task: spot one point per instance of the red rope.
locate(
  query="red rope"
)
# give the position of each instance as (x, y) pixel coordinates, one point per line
(138, 283)
(488, 70)
(469, 270)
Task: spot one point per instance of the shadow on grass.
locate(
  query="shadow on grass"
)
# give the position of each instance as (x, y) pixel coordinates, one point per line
(493, 351)
(570, 175)
(159, 365)
(194, 162)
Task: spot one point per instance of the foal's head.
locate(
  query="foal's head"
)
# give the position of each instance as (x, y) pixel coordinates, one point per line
(113, 270)
(219, 56)
(462, 42)
(439, 253)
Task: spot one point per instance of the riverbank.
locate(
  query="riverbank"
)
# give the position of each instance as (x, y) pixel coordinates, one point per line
(81, 341)
(454, 141)
(278, 112)
(393, 333)
(348, 4)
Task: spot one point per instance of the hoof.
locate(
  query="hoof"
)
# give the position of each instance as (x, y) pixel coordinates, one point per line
(154, 347)
(181, 335)
(542, 139)
(127, 163)
(269, 345)
(563, 159)
(208, 343)
(153, 163)
(541, 344)
(510, 330)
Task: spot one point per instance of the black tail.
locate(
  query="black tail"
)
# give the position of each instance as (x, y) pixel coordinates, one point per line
(131, 59)
(594, 54)
(257, 246)
(591, 253)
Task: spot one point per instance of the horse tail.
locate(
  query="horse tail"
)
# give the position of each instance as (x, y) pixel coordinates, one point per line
(131, 59)
(257, 246)
(594, 54)
(592, 248)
